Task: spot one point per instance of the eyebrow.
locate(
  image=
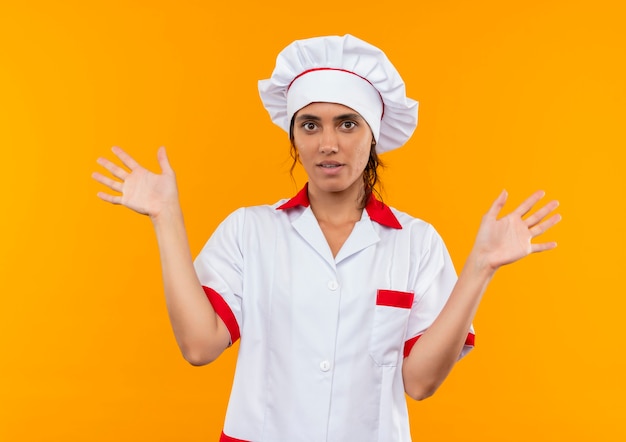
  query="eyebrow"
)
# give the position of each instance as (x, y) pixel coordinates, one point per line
(348, 116)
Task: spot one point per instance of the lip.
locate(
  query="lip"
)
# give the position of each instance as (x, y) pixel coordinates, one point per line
(330, 167)
(329, 164)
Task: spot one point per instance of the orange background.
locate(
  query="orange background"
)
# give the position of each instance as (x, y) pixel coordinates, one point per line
(515, 95)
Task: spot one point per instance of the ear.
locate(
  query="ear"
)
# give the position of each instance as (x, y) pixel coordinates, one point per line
(291, 125)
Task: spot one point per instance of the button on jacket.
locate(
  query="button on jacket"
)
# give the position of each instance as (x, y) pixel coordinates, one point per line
(323, 337)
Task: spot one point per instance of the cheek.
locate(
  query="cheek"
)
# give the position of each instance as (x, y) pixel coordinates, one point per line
(363, 153)
(300, 150)
(299, 147)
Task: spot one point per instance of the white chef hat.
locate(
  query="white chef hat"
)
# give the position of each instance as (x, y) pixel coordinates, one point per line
(344, 70)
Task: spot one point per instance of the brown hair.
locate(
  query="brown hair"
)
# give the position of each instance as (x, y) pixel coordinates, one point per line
(370, 173)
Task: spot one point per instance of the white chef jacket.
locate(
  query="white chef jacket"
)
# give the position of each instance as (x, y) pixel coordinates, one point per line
(323, 338)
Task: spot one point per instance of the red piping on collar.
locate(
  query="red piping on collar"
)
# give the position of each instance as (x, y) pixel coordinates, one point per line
(377, 210)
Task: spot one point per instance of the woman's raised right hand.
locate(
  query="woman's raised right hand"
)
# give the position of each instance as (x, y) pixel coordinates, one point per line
(141, 190)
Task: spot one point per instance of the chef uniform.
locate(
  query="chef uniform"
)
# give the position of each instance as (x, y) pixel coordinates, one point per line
(323, 338)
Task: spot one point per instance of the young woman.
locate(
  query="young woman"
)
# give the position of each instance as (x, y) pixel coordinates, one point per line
(342, 303)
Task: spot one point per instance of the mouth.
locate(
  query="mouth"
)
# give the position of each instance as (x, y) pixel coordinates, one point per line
(329, 165)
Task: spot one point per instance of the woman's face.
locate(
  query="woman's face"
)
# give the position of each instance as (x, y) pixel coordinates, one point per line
(333, 143)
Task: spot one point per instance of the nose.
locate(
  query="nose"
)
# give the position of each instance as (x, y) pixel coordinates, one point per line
(328, 142)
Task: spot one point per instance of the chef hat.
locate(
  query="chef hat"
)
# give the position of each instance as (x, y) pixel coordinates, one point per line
(344, 70)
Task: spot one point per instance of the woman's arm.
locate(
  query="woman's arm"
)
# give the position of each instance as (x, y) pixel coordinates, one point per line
(200, 333)
(499, 242)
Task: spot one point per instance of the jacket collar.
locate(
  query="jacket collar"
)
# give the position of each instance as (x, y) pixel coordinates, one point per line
(377, 210)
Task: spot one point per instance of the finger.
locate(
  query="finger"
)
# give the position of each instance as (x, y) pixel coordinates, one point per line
(525, 207)
(115, 170)
(113, 199)
(541, 213)
(125, 158)
(542, 227)
(164, 162)
(497, 205)
(112, 184)
(542, 247)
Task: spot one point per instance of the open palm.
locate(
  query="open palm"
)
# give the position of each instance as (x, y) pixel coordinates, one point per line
(143, 191)
(507, 239)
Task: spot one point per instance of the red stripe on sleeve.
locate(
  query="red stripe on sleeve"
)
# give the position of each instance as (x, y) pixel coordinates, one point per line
(224, 312)
(224, 438)
(393, 298)
(408, 345)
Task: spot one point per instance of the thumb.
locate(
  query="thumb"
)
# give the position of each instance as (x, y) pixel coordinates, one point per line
(164, 161)
(497, 205)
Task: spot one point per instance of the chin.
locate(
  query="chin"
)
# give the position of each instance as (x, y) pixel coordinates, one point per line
(336, 187)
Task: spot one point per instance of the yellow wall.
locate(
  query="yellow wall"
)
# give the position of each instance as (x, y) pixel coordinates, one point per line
(515, 95)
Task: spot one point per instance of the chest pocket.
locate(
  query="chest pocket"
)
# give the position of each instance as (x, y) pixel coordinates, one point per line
(390, 321)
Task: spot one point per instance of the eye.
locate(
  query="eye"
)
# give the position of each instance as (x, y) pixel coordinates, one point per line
(309, 126)
(348, 125)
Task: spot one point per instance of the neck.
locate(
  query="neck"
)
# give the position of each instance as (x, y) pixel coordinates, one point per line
(337, 207)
